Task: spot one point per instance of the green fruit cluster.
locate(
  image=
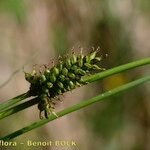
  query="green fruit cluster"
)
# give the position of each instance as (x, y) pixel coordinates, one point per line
(62, 77)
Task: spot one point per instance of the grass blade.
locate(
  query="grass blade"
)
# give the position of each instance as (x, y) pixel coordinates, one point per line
(18, 108)
(13, 101)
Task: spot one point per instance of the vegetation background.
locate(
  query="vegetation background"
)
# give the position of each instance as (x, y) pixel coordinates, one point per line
(34, 32)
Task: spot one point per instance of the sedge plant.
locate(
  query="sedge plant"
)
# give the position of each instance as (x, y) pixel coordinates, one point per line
(47, 84)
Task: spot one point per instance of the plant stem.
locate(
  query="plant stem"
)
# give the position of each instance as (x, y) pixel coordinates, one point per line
(116, 70)
(18, 108)
(13, 101)
(91, 78)
(76, 107)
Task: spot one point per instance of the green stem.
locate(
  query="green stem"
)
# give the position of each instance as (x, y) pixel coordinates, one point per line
(13, 101)
(18, 108)
(116, 70)
(91, 78)
(76, 107)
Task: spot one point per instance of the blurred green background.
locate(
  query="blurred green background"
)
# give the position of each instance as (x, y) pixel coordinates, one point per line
(34, 32)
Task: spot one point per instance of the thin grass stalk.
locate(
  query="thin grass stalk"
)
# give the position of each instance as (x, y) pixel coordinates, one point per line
(13, 101)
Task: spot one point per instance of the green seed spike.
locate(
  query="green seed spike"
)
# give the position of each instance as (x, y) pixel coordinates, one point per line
(65, 90)
(62, 77)
(81, 53)
(60, 66)
(55, 71)
(60, 85)
(59, 91)
(54, 114)
(42, 78)
(92, 55)
(89, 66)
(68, 63)
(73, 59)
(45, 90)
(47, 72)
(87, 59)
(42, 96)
(68, 88)
(74, 68)
(80, 59)
(77, 83)
(81, 72)
(97, 68)
(52, 78)
(71, 84)
(33, 71)
(29, 77)
(81, 81)
(65, 71)
(71, 75)
(49, 85)
(98, 58)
